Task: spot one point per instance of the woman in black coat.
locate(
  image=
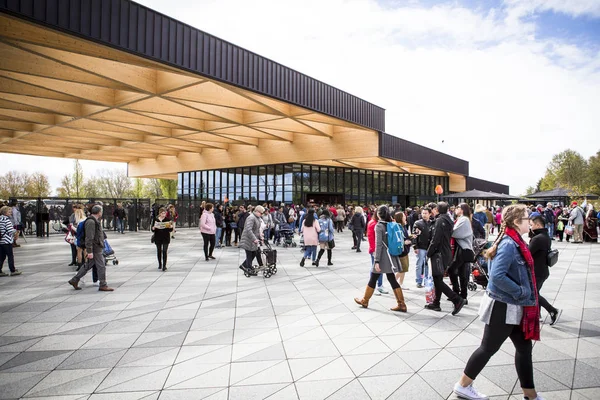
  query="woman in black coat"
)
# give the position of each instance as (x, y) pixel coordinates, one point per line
(162, 236)
(358, 227)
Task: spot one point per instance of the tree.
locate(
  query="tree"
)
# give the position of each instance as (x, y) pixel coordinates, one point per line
(593, 174)
(115, 184)
(66, 188)
(529, 190)
(77, 181)
(13, 184)
(138, 188)
(169, 188)
(93, 189)
(152, 189)
(38, 185)
(570, 170)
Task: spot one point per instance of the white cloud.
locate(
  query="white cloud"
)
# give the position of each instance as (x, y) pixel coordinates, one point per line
(480, 81)
(574, 8)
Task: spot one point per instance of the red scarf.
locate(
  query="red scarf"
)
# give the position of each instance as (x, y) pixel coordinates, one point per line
(531, 314)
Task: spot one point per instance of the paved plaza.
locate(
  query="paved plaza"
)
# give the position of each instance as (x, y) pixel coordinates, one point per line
(202, 330)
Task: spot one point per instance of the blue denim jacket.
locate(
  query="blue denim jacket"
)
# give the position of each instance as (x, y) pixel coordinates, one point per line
(509, 276)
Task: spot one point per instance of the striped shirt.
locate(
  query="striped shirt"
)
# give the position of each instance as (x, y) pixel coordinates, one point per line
(7, 231)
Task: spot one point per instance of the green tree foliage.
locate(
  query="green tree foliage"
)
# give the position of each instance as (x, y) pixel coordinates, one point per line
(594, 173)
(137, 189)
(66, 188)
(569, 169)
(77, 180)
(530, 190)
(13, 184)
(169, 188)
(152, 189)
(38, 185)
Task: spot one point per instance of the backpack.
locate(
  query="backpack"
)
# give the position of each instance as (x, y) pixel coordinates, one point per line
(395, 240)
(324, 234)
(80, 234)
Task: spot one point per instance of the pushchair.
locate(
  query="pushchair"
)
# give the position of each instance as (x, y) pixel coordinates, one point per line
(109, 254)
(269, 268)
(479, 268)
(287, 234)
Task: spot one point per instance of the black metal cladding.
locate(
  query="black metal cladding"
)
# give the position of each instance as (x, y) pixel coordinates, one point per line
(486, 186)
(126, 25)
(395, 148)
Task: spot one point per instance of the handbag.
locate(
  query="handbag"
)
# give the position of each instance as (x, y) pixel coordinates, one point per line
(437, 265)
(152, 238)
(552, 257)
(560, 226)
(331, 244)
(70, 238)
(569, 230)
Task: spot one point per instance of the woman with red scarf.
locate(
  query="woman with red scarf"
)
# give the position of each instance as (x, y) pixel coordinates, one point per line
(509, 307)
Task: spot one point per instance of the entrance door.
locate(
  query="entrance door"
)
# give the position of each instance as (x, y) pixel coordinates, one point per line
(324, 198)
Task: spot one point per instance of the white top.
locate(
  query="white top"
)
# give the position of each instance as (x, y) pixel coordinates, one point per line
(514, 313)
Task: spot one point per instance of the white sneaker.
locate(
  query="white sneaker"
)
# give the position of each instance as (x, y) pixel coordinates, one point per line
(404, 287)
(382, 290)
(469, 392)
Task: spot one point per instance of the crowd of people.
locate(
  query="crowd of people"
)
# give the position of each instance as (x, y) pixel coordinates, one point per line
(441, 235)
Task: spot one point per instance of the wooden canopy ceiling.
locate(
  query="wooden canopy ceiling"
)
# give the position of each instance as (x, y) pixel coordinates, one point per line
(62, 96)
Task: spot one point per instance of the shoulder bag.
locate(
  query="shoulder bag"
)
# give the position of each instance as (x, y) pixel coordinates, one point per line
(552, 257)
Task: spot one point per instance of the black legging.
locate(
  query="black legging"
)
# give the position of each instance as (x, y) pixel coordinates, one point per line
(441, 287)
(494, 335)
(390, 277)
(209, 238)
(161, 254)
(236, 231)
(459, 276)
(250, 255)
(357, 236)
(73, 254)
(543, 302)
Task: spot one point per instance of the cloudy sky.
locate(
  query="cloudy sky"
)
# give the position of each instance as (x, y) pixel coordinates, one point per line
(502, 84)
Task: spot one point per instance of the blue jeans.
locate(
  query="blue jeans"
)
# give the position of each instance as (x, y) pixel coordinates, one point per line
(218, 236)
(422, 266)
(380, 279)
(550, 228)
(311, 251)
(120, 225)
(267, 234)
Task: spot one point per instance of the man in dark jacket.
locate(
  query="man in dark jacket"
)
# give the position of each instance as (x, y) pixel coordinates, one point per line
(539, 246)
(440, 253)
(94, 245)
(422, 229)
(120, 217)
(242, 215)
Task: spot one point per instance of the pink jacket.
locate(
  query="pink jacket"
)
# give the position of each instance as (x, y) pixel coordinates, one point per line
(311, 234)
(207, 223)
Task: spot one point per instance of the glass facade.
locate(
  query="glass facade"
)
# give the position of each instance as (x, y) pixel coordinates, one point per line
(299, 183)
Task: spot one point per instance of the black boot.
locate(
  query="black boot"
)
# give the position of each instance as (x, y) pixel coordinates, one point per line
(319, 257)
(329, 257)
(302, 262)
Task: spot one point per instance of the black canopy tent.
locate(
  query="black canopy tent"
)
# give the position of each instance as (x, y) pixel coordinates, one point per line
(559, 194)
(479, 195)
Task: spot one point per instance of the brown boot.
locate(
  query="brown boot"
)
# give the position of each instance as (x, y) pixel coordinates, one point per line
(365, 300)
(400, 298)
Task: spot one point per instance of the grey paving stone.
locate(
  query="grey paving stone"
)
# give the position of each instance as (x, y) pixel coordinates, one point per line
(204, 331)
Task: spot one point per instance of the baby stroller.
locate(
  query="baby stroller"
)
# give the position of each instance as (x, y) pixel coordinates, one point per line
(270, 267)
(479, 269)
(109, 254)
(288, 237)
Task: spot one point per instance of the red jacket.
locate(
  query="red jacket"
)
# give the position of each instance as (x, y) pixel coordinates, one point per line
(371, 235)
(333, 211)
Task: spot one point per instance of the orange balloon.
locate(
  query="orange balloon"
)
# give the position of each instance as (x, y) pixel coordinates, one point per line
(439, 189)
